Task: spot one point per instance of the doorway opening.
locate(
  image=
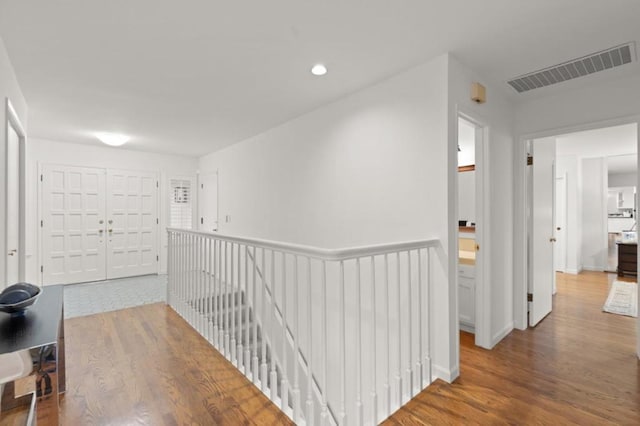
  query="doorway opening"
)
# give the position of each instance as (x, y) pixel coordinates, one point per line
(472, 227)
(581, 215)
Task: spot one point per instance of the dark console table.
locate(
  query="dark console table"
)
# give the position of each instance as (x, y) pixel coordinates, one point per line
(41, 331)
(627, 259)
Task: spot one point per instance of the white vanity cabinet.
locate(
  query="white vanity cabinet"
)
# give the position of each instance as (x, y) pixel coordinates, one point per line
(467, 297)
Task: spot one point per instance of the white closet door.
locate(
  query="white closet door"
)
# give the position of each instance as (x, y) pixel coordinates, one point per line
(131, 223)
(73, 243)
(13, 207)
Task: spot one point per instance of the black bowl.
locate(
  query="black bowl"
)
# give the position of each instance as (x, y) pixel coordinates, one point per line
(18, 297)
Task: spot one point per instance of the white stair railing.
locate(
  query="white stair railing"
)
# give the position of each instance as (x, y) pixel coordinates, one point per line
(330, 336)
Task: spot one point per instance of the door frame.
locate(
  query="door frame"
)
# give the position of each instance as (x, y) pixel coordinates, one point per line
(39, 194)
(520, 228)
(563, 253)
(483, 210)
(12, 119)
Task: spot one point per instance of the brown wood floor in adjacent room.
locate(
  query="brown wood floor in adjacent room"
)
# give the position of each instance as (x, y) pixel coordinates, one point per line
(578, 366)
(146, 366)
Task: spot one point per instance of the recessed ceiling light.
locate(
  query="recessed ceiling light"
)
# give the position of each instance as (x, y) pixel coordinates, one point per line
(112, 139)
(319, 69)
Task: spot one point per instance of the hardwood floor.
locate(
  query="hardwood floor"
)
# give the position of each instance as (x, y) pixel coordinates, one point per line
(146, 366)
(578, 366)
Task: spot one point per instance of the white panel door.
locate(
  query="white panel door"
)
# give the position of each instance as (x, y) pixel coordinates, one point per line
(13, 207)
(73, 240)
(561, 224)
(208, 203)
(542, 235)
(131, 223)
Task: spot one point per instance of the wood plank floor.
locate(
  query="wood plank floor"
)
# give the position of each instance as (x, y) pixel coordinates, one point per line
(578, 366)
(146, 366)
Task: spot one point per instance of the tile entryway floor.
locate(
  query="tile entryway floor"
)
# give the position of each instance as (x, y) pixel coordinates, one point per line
(112, 295)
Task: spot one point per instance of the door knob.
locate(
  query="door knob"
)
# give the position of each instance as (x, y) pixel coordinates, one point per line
(12, 252)
(553, 240)
(558, 228)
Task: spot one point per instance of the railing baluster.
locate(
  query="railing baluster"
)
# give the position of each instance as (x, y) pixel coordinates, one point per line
(309, 411)
(226, 302)
(296, 342)
(237, 310)
(324, 415)
(254, 320)
(246, 324)
(342, 417)
(427, 320)
(263, 315)
(232, 309)
(420, 332)
(201, 310)
(210, 287)
(216, 293)
(399, 375)
(359, 406)
(410, 326)
(374, 349)
(387, 386)
(284, 384)
(273, 379)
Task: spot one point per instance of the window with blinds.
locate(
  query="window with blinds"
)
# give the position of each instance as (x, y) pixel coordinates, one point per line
(181, 204)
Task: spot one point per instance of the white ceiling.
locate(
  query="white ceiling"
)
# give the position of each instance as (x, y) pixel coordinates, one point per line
(618, 143)
(191, 77)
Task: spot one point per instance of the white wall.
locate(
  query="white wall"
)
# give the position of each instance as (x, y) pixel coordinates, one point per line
(623, 179)
(369, 168)
(9, 88)
(467, 196)
(589, 104)
(569, 167)
(497, 114)
(51, 152)
(594, 214)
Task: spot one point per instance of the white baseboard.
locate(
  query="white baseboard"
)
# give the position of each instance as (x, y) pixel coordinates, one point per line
(594, 268)
(572, 271)
(501, 334)
(438, 372)
(467, 328)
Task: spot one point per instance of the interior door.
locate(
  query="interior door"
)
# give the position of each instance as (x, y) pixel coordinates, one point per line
(542, 232)
(73, 240)
(13, 207)
(561, 224)
(132, 223)
(208, 203)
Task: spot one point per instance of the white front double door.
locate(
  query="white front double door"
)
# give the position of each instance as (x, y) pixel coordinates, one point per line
(97, 224)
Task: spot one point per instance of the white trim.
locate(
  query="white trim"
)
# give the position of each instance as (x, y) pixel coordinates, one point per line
(501, 334)
(12, 120)
(573, 271)
(438, 372)
(317, 252)
(519, 234)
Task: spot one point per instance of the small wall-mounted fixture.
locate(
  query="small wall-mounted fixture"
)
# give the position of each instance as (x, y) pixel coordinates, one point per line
(478, 93)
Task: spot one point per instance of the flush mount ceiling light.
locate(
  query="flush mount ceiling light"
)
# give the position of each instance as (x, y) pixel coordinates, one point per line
(318, 69)
(112, 139)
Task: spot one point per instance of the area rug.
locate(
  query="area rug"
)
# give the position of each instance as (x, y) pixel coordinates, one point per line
(622, 299)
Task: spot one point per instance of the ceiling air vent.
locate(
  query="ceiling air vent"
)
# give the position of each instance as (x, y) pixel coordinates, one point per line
(575, 68)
